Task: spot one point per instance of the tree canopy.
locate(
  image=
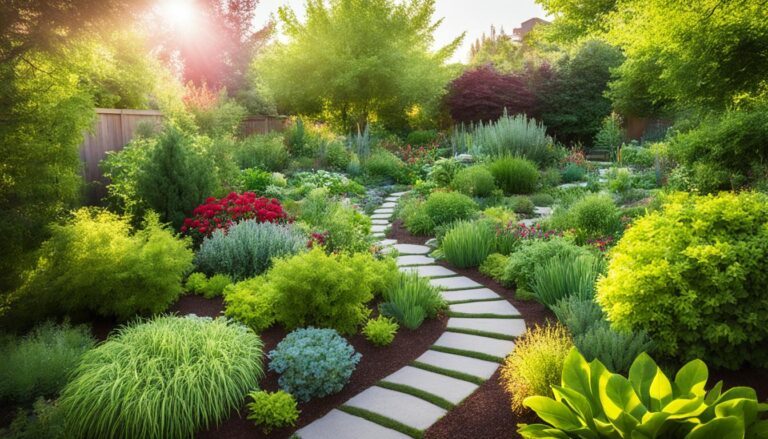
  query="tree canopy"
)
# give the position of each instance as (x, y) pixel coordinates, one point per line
(356, 61)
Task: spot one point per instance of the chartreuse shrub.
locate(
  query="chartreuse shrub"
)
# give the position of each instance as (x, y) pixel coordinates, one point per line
(251, 302)
(591, 402)
(345, 228)
(381, 330)
(693, 276)
(198, 283)
(166, 377)
(533, 253)
(536, 363)
(97, 263)
(475, 181)
(272, 410)
(594, 216)
(38, 364)
(247, 248)
(313, 363)
(515, 175)
(563, 276)
(467, 244)
(329, 291)
(411, 299)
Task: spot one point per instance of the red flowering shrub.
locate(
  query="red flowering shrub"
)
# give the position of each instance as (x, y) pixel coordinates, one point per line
(221, 213)
(483, 93)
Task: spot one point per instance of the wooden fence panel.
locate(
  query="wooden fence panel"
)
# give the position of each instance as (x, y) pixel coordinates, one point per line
(114, 128)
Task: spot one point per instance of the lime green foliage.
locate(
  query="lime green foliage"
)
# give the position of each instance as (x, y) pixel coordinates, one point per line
(520, 204)
(542, 199)
(39, 363)
(447, 207)
(513, 136)
(166, 377)
(414, 216)
(255, 180)
(611, 135)
(444, 170)
(346, 228)
(45, 421)
(46, 111)
(266, 151)
(536, 363)
(592, 402)
(381, 330)
(272, 410)
(313, 363)
(573, 172)
(620, 180)
(352, 62)
(251, 302)
(198, 283)
(467, 244)
(329, 291)
(494, 266)
(522, 264)
(383, 164)
(500, 215)
(515, 175)
(475, 181)
(564, 276)
(594, 216)
(247, 248)
(411, 299)
(96, 263)
(692, 275)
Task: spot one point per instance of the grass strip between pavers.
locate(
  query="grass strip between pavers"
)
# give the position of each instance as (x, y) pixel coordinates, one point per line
(480, 315)
(471, 354)
(383, 421)
(418, 393)
(459, 302)
(449, 373)
(487, 334)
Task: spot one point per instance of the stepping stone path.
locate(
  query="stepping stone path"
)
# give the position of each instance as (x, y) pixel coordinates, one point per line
(479, 333)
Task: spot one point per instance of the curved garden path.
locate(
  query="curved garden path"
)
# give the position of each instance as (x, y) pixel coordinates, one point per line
(481, 330)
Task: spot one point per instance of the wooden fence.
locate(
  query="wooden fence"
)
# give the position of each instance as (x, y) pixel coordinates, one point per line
(114, 128)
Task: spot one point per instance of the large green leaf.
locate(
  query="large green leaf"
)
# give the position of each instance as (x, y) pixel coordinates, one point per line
(577, 375)
(536, 431)
(553, 412)
(685, 408)
(721, 428)
(691, 379)
(652, 423)
(743, 408)
(714, 393)
(620, 403)
(577, 402)
(641, 375)
(758, 430)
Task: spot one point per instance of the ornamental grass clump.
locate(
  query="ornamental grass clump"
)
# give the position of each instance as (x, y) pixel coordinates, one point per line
(247, 248)
(168, 377)
(534, 253)
(513, 136)
(515, 175)
(381, 330)
(536, 363)
(564, 276)
(475, 181)
(693, 276)
(467, 244)
(313, 363)
(411, 299)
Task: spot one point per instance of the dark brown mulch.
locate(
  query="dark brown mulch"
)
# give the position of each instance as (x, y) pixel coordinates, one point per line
(376, 363)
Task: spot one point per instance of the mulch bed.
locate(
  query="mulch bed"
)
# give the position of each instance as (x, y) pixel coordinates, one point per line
(486, 414)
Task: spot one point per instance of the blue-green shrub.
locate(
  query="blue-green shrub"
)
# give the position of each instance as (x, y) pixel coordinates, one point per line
(313, 363)
(247, 248)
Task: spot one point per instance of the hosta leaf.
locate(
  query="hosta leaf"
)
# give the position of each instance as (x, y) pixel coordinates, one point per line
(553, 412)
(691, 378)
(540, 431)
(660, 391)
(714, 393)
(758, 430)
(577, 402)
(720, 428)
(652, 423)
(620, 403)
(641, 375)
(743, 408)
(576, 374)
(685, 408)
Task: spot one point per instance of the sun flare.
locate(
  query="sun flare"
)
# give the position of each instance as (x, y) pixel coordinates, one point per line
(181, 14)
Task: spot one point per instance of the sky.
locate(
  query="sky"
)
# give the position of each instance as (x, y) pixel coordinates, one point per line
(473, 16)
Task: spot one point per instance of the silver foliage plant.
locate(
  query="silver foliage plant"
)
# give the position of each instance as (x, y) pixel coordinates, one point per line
(247, 248)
